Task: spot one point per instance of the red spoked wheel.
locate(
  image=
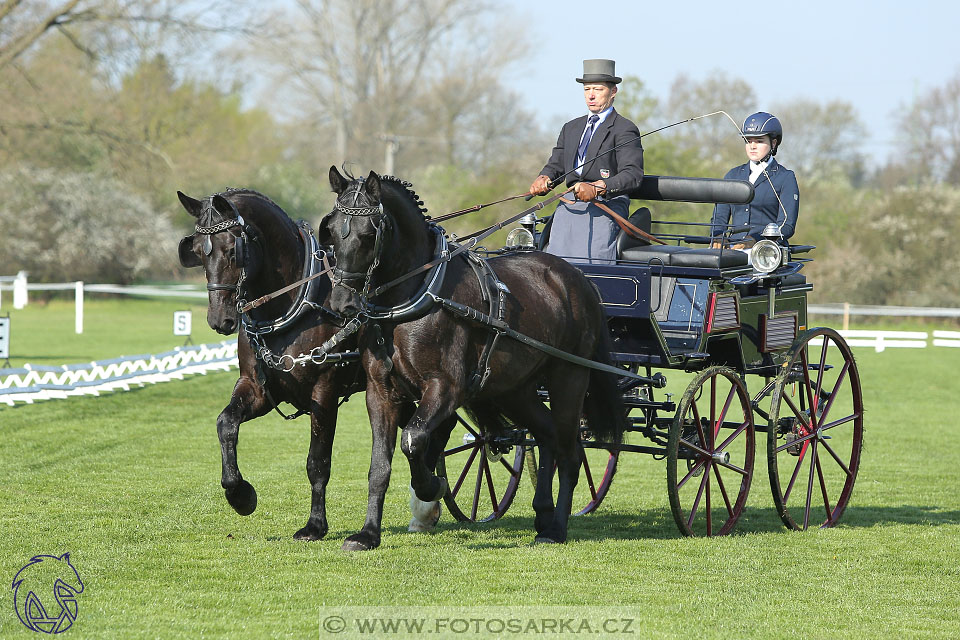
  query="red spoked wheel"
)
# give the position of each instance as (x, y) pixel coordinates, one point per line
(815, 434)
(710, 454)
(482, 474)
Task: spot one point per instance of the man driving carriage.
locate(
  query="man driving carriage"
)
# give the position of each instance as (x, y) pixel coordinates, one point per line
(776, 197)
(582, 230)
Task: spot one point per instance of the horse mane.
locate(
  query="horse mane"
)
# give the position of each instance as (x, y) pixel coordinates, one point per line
(209, 212)
(406, 188)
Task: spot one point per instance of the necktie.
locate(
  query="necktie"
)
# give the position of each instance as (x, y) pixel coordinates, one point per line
(585, 142)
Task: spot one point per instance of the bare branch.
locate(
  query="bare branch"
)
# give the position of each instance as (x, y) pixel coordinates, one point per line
(20, 44)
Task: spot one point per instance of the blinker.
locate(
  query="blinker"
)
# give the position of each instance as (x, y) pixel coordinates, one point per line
(207, 246)
(345, 228)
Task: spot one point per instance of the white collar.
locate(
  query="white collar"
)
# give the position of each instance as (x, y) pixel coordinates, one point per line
(603, 115)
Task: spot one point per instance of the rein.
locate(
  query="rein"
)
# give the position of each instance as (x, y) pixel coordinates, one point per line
(625, 224)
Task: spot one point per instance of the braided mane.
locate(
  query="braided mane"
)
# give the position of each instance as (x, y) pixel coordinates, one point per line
(407, 188)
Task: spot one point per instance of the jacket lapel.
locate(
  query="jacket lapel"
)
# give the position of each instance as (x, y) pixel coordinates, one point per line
(573, 141)
(772, 167)
(599, 134)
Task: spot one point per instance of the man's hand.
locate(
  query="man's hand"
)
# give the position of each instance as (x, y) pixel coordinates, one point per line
(588, 191)
(716, 244)
(540, 186)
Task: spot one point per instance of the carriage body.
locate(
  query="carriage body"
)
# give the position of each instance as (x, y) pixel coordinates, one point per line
(757, 368)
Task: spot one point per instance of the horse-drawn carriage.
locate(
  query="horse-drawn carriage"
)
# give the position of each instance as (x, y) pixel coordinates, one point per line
(434, 331)
(686, 308)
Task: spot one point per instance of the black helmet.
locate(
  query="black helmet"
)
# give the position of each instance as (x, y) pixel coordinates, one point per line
(763, 124)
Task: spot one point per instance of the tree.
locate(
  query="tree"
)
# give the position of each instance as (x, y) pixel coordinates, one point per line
(823, 141)
(930, 133)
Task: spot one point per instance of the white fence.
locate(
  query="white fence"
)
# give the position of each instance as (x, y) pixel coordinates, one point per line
(882, 340)
(31, 383)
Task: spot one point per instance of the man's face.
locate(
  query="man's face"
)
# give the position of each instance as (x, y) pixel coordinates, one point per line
(599, 96)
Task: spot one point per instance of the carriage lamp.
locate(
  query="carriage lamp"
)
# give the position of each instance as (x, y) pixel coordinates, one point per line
(519, 237)
(766, 256)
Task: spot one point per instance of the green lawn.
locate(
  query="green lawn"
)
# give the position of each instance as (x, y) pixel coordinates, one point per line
(129, 484)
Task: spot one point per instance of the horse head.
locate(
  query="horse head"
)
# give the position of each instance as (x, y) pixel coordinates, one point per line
(229, 251)
(357, 229)
(376, 227)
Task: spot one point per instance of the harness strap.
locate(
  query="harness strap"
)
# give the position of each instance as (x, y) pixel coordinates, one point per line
(492, 290)
(625, 224)
(478, 316)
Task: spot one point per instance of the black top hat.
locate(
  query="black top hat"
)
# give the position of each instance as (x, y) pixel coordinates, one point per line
(599, 71)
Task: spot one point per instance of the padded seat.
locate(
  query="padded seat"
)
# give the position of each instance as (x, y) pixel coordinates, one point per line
(794, 280)
(710, 258)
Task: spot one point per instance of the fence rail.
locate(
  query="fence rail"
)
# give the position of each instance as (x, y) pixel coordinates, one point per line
(31, 383)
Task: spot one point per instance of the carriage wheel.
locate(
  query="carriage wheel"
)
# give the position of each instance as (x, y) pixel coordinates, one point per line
(816, 431)
(481, 479)
(710, 453)
(597, 467)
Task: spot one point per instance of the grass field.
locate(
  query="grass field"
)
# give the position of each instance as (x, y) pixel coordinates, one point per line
(128, 483)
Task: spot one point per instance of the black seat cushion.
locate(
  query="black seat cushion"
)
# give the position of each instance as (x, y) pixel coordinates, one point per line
(656, 253)
(641, 220)
(710, 258)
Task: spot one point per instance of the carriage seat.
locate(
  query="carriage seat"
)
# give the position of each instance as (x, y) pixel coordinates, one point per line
(637, 250)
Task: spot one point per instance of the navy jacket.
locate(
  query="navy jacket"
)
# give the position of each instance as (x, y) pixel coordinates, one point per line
(621, 170)
(764, 208)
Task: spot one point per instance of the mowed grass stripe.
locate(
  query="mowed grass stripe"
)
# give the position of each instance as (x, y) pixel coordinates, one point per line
(129, 484)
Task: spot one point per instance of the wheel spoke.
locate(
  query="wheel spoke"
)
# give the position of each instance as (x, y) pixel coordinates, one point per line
(802, 441)
(506, 465)
(841, 421)
(723, 490)
(823, 365)
(698, 421)
(709, 506)
(463, 474)
(696, 503)
(723, 413)
(586, 471)
(493, 492)
(813, 462)
(834, 455)
(736, 433)
(823, 489)
(713, 407)
(458, 449)
(476, 489)
(466, 425)
(807, 386)
(690, 474)
(732, 467)
(801, 416)
(796, 472)
(695, 447)
(833, 394)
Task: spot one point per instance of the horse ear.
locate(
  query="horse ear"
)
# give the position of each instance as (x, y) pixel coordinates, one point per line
(337, 182)
(192, 206)
(372, 186)
(223, 206)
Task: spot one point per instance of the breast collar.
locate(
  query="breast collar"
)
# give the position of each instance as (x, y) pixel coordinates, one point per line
(421, 302)
(307, 294)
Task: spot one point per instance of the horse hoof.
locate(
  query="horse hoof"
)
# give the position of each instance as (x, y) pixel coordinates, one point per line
(425, 514)
(310, 533)
(243, 498)
(359, 542)
(546, 540)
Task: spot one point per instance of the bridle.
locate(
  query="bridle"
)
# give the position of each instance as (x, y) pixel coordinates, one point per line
(208, 248)
(383, 227)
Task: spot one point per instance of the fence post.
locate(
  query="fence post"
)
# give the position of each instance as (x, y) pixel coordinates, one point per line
(78, 325)
(846, 316)
(20, 290)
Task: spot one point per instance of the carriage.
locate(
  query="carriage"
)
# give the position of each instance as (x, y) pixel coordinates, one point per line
(742, 333)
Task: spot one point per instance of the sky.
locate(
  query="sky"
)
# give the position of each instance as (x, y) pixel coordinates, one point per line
(878, 56)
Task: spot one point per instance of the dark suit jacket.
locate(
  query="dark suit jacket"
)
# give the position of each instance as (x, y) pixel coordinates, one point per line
(622, 170)
(764, 207)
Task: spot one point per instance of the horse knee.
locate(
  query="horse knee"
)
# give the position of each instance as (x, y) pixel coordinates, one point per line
(414, 442)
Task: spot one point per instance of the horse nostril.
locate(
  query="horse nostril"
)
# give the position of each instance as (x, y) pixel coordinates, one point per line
(228, 326)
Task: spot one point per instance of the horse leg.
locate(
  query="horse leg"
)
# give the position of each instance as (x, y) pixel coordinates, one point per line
(427, 514)
(567, 386)
(384, 418)
(323, 425)
(524, 408)
(436, 405)
(246, 403)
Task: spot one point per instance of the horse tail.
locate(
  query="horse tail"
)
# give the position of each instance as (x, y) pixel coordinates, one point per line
(603, 406)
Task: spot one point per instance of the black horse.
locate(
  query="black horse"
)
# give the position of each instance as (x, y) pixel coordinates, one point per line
(249, 248)
(414, 349)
